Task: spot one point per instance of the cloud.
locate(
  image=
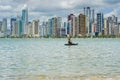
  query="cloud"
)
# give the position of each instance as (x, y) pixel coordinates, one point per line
(111, 1)
(5, 7)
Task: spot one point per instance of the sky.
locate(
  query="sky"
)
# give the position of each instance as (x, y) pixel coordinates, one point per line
(44, 9)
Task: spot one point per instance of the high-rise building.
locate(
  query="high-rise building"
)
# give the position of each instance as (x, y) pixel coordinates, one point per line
(93, 16)
(20, 27)
(12, 22)
(30, 29)
(44, 29)
(59, 25)
(89, 19)
(105, 27)
(0, 26)
(100, 22)
(35, 25)
(50, 31)
(47, 29)
(71, 23)
(119, 28)
(94, 25)
(15, 29)
(25, 15)
(54, 26)
(4, 26)
(72, 27)
(112, 23)
(25, 20)
(82, 24)
(65, 27)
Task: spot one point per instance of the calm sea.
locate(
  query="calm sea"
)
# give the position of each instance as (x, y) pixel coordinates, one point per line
(23, 59)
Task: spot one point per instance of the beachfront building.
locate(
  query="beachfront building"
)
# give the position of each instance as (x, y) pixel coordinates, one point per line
(15, 29)
(44, 29)
(20, 27)
(82, 25)
(1, 34)
(4, 27)
(49, 27)
(30, 29)
(94, 26)
(112, 24)
(25, 20)
(54, 27)
(70, 24)
(100, 23)
(105, 26)
(65, 27)
(12, 26)
(35, 25)
(119, 28)
(0, 26)
(72, 27)
(90, 18)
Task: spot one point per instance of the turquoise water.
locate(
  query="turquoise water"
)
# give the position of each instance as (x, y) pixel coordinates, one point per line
(92, 57)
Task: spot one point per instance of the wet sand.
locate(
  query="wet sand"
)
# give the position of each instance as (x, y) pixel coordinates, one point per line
(44, 77)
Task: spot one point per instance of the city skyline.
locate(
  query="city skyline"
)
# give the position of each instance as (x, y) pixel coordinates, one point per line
(43, 10)
(88, 22)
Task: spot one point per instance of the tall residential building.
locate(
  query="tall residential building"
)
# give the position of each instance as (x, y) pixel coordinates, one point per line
(30, 29)
(105, 27)
(119, 28)
(50, 31)
(82, 24)
(93, 15)
(25, 15)
(100, 22)
(35, 25)
(59, 25)
(47, 29)
(112, 23)
(25, 20)
(89, 19)
(72, 27)
(0, 26)
(65, 27)
(44, 29)
(12, 22)
(20, 27)
(4, 26)
(70, 24)
(94, 25)
(54, 26)
(15, 31)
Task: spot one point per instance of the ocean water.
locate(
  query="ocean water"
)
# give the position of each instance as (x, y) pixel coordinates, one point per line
(41, 59)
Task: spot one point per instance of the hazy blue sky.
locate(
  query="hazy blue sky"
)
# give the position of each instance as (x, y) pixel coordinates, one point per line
(43, 9)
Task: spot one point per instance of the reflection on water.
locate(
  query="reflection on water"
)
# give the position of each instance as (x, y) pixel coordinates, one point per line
(37, 59)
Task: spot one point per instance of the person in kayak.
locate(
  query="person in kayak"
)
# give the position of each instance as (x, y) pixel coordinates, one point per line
(69, 41)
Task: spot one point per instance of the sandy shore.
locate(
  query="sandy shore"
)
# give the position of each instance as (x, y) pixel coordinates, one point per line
(43, 77)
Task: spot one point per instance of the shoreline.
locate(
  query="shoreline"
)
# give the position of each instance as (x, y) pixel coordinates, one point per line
(48, 77)
(56, 37)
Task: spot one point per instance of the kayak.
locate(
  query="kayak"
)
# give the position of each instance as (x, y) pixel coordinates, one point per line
(71, 44)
